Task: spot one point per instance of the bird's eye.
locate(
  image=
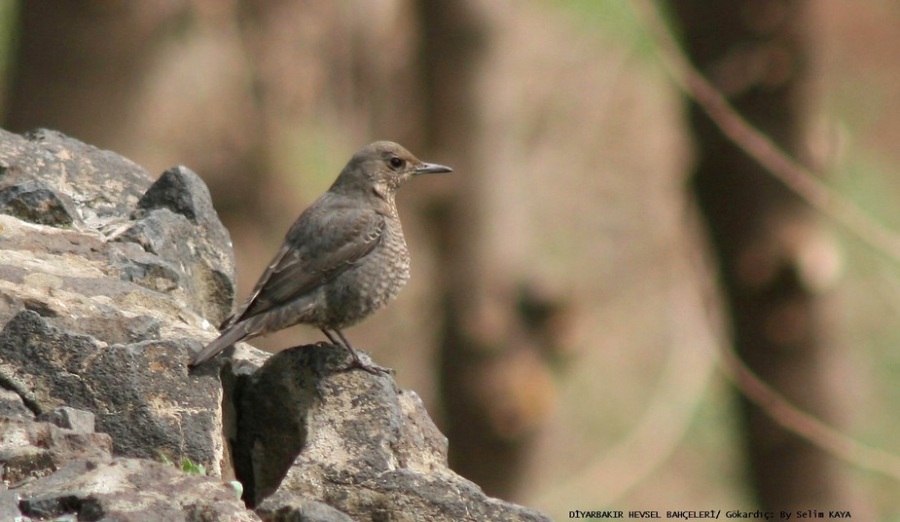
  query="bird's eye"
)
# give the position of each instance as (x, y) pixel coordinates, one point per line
(397, 163)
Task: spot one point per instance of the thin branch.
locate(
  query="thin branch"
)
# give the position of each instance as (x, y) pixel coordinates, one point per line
(758, 146)
(805, 425)
(810, 188)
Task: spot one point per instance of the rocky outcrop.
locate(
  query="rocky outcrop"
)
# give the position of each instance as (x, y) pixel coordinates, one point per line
(108, 281)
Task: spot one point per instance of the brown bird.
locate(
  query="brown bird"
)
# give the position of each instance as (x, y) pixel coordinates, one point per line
(343, 258)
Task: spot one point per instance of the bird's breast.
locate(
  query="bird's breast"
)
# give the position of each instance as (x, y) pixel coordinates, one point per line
(372, 281)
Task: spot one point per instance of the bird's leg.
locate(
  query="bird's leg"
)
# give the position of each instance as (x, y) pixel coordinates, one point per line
(334, 341)
(331, 337)
(374, 369)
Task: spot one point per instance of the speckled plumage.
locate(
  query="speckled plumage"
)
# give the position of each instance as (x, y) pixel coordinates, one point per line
(343, 258)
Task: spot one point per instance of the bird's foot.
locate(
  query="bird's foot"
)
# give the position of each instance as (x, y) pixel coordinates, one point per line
(374, 369)
(356, 363)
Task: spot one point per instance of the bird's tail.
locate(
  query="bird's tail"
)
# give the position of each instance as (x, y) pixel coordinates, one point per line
(234, 333)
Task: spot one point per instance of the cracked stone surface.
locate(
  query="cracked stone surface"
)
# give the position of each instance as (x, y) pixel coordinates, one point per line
(108, 282)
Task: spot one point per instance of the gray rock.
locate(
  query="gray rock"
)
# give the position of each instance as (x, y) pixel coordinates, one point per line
(34, 201)
(200, 248)
(31, 450)
(189, 263)
(83, 312)
(143, 491)
(139, 392)
(107, 283)
(102, 185)
(48, 178)
(283, 507)
(12, 405)
(181, 190)
(70, 474)
(9, 505)
(352, 440)
(69, 418)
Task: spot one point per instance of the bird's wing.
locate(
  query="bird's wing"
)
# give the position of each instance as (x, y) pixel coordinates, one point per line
(324, 242)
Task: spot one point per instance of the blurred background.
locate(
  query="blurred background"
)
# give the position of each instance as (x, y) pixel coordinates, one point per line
(587, 282)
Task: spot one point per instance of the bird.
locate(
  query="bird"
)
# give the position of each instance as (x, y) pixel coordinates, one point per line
(343, 258)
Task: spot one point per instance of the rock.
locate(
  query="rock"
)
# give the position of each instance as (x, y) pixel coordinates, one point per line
(143, 491)
(54, 471)
(184, 262)
(353, 440)
(284, 507)
(108, 281)
(32, 449)
(12, 405)
(34, 201)
(181, 190)
(69, 418)
(175, 220)
(93, 319)
(139, 392)
(103, 186)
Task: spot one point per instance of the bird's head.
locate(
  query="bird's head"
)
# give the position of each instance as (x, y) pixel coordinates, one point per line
(383, 167)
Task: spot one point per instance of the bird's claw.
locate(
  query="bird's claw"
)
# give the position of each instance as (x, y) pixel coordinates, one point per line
(374, 369)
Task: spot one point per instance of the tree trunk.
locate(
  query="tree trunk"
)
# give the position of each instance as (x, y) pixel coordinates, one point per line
(756, 53)
(494, 378)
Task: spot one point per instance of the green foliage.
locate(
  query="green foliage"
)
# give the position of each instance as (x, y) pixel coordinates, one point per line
(192, 468)
(187, 465)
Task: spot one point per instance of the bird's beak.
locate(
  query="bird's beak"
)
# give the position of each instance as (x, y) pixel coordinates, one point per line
(432, 168)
